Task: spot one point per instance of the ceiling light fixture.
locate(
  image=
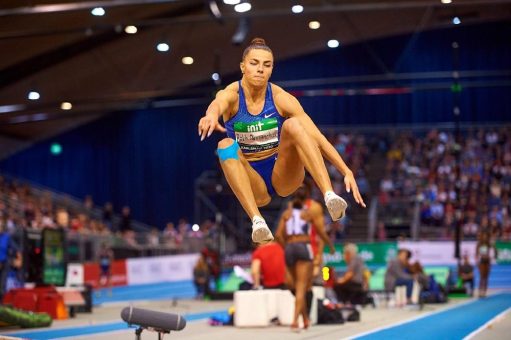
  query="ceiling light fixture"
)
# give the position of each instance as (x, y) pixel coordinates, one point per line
(243, 7)
(314, 25)
(187, 60)
(163, 47)
(33, 95)
(131, 29)
(66, 106)
(297, 9)
(333, 43)
(98, 11)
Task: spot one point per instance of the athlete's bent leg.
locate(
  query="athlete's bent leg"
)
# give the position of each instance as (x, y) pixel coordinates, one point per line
(296, 151)
(231, 161)
(302, 284)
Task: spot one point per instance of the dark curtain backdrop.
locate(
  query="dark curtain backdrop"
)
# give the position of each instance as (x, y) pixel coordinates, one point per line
(149, 159)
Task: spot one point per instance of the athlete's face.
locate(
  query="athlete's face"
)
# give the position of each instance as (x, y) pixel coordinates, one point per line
(257, 67)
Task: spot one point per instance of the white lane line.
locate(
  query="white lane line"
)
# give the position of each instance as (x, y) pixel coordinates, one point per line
(483, 327)
(412, 319)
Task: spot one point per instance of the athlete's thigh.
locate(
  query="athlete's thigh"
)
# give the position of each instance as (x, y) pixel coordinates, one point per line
(257, 184)
(304, 272)
(289, 172)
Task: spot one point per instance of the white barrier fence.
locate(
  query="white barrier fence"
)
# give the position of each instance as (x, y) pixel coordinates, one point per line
(160, 268)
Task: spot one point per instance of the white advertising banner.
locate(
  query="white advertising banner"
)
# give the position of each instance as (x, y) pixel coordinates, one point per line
(437, 253)
(75, 274)
(160, 268)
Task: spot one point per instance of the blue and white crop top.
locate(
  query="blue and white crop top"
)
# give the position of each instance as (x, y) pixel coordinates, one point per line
(257, 135)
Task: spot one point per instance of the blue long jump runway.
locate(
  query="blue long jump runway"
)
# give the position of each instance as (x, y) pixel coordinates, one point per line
(453, 323)
(153, 291)
(70, 332)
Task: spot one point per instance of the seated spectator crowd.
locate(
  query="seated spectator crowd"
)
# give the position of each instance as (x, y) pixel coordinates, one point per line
(424, 169)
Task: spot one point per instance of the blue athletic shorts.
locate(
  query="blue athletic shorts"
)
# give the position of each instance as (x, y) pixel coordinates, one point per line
(264, 168)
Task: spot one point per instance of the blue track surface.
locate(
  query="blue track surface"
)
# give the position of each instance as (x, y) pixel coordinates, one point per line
(94, 329)
(154, 291)
(454, 323)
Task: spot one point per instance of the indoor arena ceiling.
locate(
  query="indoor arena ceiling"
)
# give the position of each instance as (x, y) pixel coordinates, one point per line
(60, 49)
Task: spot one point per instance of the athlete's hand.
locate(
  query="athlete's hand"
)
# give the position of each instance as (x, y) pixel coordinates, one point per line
(351, 184)
(207, 125)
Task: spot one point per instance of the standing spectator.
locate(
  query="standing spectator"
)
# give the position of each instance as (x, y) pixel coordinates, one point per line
(483, 255)
(153, 238)
(108, 215)
(88, 204)
(106, 258)
(170, 234)
(201, 276)
(381, 232)
(470, 228)
(437, 213)
(125, 223)
(15, 277)
(62, 218)
(47, 221)
(182, 228)
(7, 251)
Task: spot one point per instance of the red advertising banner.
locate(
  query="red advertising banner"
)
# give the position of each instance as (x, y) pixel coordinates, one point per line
(119, 277)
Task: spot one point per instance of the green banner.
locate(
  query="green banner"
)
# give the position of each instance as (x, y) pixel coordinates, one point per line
(262, 125)
(503, 252)
(377, 254)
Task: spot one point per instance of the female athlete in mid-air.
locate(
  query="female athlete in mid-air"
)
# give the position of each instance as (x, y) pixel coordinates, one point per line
(270, 140)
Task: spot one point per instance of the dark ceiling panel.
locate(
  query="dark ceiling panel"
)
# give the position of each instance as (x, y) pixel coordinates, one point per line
(107, 69)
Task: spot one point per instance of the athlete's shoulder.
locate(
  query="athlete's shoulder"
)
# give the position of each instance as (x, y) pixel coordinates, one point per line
(234, 86)
(230, 92)
(285, 101)
(279, 93)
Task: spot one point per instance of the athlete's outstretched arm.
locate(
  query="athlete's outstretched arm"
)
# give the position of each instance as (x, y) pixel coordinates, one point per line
(219, 107)
(292, 108)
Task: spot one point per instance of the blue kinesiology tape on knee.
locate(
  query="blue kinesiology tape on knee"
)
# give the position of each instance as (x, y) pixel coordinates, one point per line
(230, 152)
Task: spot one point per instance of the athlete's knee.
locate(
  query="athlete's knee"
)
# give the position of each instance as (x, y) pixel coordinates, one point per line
(261, 202)
(228, 149)
(225, 143)
(293, 126)
(284, 192)
(290, 187)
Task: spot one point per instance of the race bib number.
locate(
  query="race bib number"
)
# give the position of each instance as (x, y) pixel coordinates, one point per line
(257, 136)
